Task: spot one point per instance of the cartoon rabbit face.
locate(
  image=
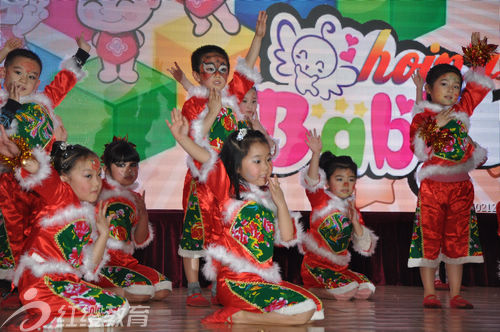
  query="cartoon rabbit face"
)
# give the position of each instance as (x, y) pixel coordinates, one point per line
(315, 56)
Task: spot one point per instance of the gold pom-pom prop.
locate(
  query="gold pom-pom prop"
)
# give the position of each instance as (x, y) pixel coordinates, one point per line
(478, 55)
(24, 154)
(433, 136)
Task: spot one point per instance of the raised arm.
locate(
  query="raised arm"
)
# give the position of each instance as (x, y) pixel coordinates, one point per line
(102, 224)
(285, 222)
(313, 141)
(180, 77)
(179, 127)
(214, 105)
(10, 45)
(260, 32)
(419, 85)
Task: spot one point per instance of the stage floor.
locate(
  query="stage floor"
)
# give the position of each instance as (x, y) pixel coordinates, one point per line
(393, 308)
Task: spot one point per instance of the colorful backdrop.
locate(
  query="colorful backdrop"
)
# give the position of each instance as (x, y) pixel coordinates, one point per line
(342, 67)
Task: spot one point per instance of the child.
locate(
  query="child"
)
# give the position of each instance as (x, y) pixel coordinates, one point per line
(445, 226)
(211, 110)
(30, 115)
(253, 217)
(330, 182)
(129, 227)
(68, 237)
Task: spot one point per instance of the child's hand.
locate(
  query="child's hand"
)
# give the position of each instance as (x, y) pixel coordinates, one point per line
(179, 125)
(313, 141)
(7, 147)
(82, 43)
(352, 213)
(13, 90)
(260, 26)
(418, 80)
(102, 221)
(13, 43)
(60, 132)
(443, 117)
(176, 72)
(214, 101)
(140, 203)
(276, 192)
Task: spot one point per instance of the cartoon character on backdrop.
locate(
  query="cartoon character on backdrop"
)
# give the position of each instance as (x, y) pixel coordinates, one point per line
(20, 17)
(307, 58)
(117, 37)
(199, 11)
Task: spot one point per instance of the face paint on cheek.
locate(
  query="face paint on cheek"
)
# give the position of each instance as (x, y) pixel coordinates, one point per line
(29, 66)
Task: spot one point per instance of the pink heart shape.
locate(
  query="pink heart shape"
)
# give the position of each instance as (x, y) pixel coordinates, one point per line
(348, 55)
(351, 40)
(404, 105)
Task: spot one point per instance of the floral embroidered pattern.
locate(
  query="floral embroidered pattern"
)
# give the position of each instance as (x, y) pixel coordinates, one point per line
(336, 230)
(124, 277)
(6, 258)
(416, 237)
(85, 297)
(193, 234)
(71, 240)
(224, 125)
(253, 228)
(34, 124)
(122, 219)
(328, 278)
(474, 244)
(265, 296)
(457, 142)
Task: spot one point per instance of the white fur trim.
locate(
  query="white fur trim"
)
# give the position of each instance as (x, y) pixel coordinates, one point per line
(251, 73)
(149, 239)
(420, 148)
(423, 262)
(140, 290)
(298, 308)
(13, 128)
(318, 315)
(110, 319)
(299, 232)
(425, 104)
(209, 270)
(366, 243)
(483, 80)
(117, 192)
(262, 197)
(230, 209)
(335, 203)
(312, 245)
(70, 65)
(115, 244)
(35, 179)
(462, 260)
(476, 159)
(367, 285)
(344, 289)
(309, 184)
(162, 285)
(240, 265)
(198, 91)
(67, 215)
(40, 266)
(190, 253)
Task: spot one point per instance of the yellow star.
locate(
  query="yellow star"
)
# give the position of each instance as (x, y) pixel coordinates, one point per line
(318, 110)
(360, 109)
(341, 105)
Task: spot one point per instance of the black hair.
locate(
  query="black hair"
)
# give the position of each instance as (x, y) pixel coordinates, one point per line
(119, 150)
(198, 54)
(22, 52)
(439, 70)
(330, 163)
(64, 156)
(234, 150)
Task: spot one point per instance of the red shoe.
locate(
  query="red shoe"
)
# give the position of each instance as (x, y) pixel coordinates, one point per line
(11, 301)
(431, 301)
(458, 302)
(438, 284)
(221, 316)
(197, 300)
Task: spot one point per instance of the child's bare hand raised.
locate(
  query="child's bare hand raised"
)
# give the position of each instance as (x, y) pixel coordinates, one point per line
(7, 147)
(82, 43)
(313, 141)
(260, 26)
(60, 132)
(214, 101)
(443, 117)
(417, 79)
(13, 43)
(178, 124)
(102, 222)
(176, 72)
(14, 91)
(276, 191)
